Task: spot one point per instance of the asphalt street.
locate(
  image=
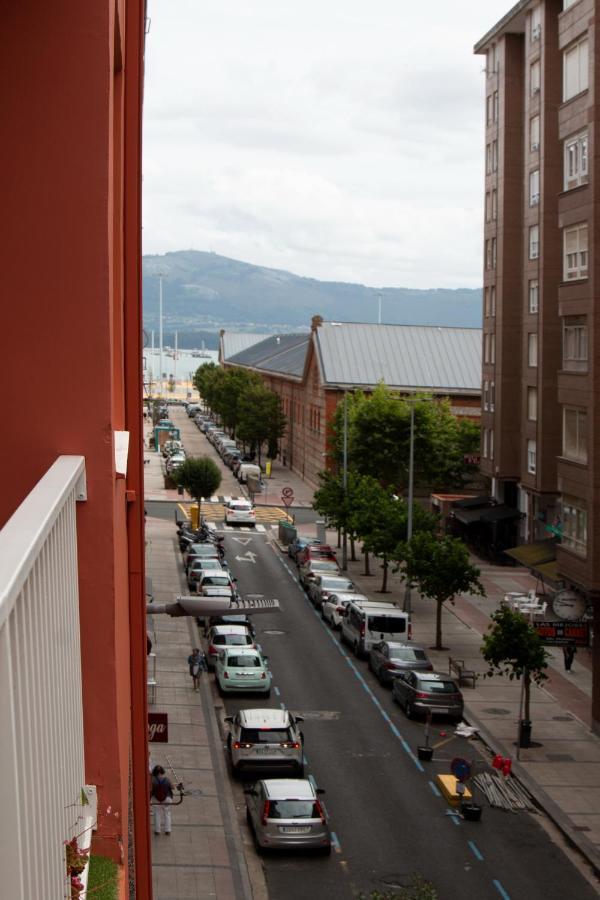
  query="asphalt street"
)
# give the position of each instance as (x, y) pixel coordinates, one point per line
(165, 509)
(385, 810)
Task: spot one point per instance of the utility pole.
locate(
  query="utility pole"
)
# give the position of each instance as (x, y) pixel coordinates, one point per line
(411, 472)
(345, 481)
(160, 328)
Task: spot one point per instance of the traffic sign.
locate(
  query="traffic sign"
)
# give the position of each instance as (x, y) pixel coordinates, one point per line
(287, 496)
(460, 768)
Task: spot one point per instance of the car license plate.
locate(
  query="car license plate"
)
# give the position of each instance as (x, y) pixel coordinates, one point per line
(262, 750)
(295, 829)
(440, 709)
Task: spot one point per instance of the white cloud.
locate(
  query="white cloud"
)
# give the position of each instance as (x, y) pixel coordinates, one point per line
(339, 140)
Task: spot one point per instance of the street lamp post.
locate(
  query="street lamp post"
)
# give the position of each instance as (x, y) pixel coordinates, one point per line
(160, 328)
(345, 481)
(411, 474)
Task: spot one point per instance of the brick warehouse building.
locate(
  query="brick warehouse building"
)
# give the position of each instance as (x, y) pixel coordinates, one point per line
(310, 372)
(539, 430)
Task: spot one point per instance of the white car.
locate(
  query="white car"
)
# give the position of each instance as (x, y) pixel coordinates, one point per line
(334, 606)
(239, 669)
(219, 637)
(240, 512)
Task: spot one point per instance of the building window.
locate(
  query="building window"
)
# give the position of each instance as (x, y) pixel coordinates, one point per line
(488, 206)
(575, 69)
(493, 300)
(486, 395)
(532, 350)
(496, 105)
(536, 23)
(575, 252)
(494, 252)
(489, 305)
(491, 443)
(485, 443)
(488, 110)
(575, 434)
(531, 457)
(575, 344)
(488, 159)
(532, 404)
(534, 77)
(534, 242)
(494, 204)
(489, 347)
(492, 395)
(491, 61)
(488, 254)
(534, 187)
(574, 525)
(534, 295)
(492, 348)
(576, 160)
(534, 133)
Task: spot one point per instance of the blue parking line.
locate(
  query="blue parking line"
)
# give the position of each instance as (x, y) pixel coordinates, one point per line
(282, 705)
(435, 790)
(304, 759)
(500, 889)
(455, 819)
(335, 842)
(476, 852)
(277, 691)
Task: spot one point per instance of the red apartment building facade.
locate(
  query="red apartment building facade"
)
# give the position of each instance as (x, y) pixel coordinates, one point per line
(540, 377)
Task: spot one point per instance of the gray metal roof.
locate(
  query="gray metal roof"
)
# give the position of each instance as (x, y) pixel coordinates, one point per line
(413, 357)
(281, 353)
(233, 342)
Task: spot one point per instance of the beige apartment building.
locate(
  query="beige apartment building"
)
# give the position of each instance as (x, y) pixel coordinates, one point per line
(540, 422)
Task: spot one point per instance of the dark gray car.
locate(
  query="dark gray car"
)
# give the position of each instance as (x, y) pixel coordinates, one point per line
(417, 692)
(388, 658)
(285, 814)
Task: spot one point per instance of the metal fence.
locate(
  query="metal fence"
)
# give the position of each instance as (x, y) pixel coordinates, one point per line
(41, 713)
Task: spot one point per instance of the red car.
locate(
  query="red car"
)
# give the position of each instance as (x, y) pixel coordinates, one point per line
(315, 551)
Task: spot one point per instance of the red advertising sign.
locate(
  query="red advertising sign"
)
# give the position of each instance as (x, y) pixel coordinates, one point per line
(557, 633)
(158, 728)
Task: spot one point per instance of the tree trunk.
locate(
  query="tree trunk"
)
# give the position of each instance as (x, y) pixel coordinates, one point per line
(352, 549)
(438, 625)
(367, 568)
(527, 693)
(199, 502)
(339, 539)
(385, 575)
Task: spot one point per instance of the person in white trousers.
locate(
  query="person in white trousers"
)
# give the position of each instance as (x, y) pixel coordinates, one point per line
(161, 794)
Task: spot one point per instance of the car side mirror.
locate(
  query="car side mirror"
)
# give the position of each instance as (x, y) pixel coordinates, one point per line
(320, 790)
(250, 791)
(299, 718)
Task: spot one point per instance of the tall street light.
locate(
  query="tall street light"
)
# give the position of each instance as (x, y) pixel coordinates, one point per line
(345, 481)
(411, 476)
(160, 328)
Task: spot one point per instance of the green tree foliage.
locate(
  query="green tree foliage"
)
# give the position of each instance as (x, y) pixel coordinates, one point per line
(261, 419)
(379, 439)
(514, 648)
(440, 569)
(200, 476)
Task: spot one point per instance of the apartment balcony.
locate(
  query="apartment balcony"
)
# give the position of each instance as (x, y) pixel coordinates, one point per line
(45, 799)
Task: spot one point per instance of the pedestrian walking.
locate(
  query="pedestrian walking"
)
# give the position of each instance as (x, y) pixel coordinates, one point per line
(161, 793)
(569, 651)
(197, 665)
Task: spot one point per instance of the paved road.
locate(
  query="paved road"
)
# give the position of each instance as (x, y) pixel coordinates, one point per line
(165, 509)
(385, 810)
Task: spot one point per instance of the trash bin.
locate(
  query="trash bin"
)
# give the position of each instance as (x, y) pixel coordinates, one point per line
(321, 531)
(287, 532)
(525, 733)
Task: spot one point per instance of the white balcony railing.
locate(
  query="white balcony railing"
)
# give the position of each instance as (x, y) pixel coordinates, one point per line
(41, 714)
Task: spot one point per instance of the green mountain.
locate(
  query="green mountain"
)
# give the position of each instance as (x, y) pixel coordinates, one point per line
(203, 292)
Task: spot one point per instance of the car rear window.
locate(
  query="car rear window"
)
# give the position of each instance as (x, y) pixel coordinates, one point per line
(438, 687)
(216, 579)
(331, 583)
(236, 640)
(293, 809)
(387, 624)
(265, 735)
(408, 655)
(243, 662)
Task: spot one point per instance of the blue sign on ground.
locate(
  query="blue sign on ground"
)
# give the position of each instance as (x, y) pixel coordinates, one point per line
(460, 768)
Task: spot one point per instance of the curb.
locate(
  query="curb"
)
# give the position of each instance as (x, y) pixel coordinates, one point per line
(577, 840)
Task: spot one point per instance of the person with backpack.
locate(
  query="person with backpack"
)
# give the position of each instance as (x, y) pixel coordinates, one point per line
(197, 665)
(161, 796)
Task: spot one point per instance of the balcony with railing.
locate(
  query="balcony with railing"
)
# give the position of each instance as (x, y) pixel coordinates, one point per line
(44, 797)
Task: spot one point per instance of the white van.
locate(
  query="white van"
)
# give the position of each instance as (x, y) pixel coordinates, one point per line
(367, 622)
(248, 470)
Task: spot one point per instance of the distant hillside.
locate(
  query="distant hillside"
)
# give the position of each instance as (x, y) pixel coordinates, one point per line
(204, 292)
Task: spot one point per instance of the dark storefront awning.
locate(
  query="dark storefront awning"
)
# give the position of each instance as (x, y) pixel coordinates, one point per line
(489, 514)
(473, 503)
(534, 555)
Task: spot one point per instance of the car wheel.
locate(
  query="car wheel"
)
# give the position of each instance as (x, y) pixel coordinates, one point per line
(268, 693)
(326, 851)
(355, 648)
(370, 665)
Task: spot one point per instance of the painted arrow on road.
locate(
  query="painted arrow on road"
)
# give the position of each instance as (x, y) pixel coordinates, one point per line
(249, 557)
(243, 541)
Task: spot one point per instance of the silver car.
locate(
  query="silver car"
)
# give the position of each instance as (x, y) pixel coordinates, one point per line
(265, 739)
(388, 658)
(323, 585)
(333, 607)
(285, 814)
(418, 692)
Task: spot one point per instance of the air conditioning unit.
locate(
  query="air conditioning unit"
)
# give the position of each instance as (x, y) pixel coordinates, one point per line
(536, 32)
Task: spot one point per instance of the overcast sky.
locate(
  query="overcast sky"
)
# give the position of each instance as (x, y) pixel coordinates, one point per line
(337, 139)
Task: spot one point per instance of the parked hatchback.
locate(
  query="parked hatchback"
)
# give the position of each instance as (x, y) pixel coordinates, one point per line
(323, 585)
(334, 606)
(220, 636)
(240, 512)
(268, 739)
(242, 669)
(388, 658)
(417, 692)
(285, 814)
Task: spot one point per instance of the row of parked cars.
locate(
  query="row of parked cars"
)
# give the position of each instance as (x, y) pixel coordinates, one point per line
(242, 464)
(377, 631)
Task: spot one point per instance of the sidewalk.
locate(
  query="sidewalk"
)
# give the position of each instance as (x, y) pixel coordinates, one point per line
(562, 770)
(204, 855)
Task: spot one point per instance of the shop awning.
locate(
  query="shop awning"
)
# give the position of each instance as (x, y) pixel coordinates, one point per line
(534, 555)
(488, 514)
(473, 503)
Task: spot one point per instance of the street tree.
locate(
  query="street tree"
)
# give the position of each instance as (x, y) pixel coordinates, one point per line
(440, 569)
(514, 648)
(261, 418)
(339, 505)
(200, 476)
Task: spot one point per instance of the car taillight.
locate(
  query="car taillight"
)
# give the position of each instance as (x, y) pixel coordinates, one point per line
(290, 745)
(362, 630)
(225, 674)
(265, 812)
(430, 668)
(339, 609)
(421, 695)
(320, 811)
(240, 745)
(264, 675)
(389, 665)
(212, 650)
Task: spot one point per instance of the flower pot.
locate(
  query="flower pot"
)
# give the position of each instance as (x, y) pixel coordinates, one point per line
(425, 753)
(471, 811)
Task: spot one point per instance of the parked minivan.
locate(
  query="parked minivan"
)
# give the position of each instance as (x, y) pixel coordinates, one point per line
(367, 623)
(248, 470)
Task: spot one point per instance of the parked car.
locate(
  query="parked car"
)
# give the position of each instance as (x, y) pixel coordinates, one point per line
(323, 585)
(248, 470)
(231, 455)
(238, 670)
(213, 433)
(313, 567)
(417, 692)
(334, 606)
(220, 636)
(365, 624)
(388, 658)
(297, 545)
(170, 447)
(240, 512)
(268, 739)
(198, 566)
(233, 619)
(286, 813)
(206, 550)
(192, 409)
(175, 462)
(217, 579)
(245, 458)
(208, 423)
(315, 550)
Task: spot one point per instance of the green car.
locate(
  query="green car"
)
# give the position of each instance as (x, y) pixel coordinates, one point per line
(242, 669)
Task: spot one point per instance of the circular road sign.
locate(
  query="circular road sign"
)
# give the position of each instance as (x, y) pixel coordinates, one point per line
(460, 768)
(287, 492)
